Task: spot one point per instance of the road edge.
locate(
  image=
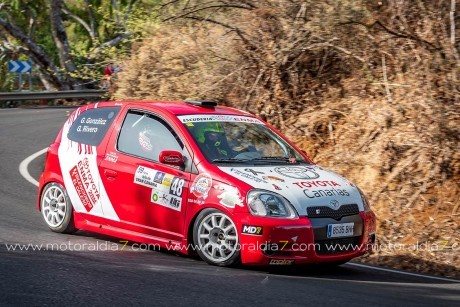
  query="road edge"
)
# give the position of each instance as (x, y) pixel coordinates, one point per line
(24, 165)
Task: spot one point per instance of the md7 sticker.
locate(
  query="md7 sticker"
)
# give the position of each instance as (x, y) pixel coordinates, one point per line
(252, 230)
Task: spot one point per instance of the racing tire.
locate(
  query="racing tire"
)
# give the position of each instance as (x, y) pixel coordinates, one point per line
(216, 238)
(56, 209)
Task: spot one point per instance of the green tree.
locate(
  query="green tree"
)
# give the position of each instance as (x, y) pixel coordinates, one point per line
(69, 41)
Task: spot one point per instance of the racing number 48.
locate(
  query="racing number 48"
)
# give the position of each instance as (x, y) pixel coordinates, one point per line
(177, 185)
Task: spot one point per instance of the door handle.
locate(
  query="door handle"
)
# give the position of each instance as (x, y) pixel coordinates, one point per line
(110, 173)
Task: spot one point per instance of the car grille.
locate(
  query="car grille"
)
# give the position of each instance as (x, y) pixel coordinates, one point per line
(336, 246)
(324, 211)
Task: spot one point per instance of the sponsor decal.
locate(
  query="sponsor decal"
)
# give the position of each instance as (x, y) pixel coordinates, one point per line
(94, 200)
(84, 184)
(166, 189)
(111, 157)
(201, 185)
(316, 184)
(229, 196)
(297, 172)
(195, 201)
(281, 262)
(325, 193)
(252, 230)
(187, 119)
(248, 176)
(276, 187)
(169, 196)
(159, 177)
(250, 170)
(274, 178)
(145, 176)
(172, 159)
(167, 180)
(145, 142)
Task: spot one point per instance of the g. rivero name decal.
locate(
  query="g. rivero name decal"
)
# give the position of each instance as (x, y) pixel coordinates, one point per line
(84, 184)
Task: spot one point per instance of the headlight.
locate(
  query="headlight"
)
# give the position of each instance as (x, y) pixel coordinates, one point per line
(366, 205)
(269, 204)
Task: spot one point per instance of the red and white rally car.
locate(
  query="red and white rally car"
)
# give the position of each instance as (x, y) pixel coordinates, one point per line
(197, 177)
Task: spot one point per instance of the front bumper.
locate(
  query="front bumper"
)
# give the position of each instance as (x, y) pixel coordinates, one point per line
(270, 241)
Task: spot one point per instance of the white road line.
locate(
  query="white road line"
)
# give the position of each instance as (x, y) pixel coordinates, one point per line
(25, 173)
(401, 272)
(23, 167)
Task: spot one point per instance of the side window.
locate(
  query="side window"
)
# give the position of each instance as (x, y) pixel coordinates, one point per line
(91, 126)
(145, 136)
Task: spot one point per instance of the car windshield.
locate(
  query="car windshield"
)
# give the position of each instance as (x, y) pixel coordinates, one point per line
(238, 139)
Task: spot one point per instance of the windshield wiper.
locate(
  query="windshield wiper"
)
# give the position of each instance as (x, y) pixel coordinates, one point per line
(230, 160)
(279, 159)
(274, 158)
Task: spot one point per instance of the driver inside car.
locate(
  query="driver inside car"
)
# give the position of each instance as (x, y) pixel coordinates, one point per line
(212, 141)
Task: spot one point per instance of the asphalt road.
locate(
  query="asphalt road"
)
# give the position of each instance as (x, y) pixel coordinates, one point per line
(111, 276)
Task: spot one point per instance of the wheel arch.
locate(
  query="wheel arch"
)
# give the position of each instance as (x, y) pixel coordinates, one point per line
(44, 181)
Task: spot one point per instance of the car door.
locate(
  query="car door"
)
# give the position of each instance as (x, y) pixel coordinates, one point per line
(149, 197)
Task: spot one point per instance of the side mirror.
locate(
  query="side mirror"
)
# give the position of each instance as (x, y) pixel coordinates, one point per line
(171, 157)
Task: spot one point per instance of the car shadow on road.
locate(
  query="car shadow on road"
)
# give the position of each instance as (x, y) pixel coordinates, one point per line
(350, 271)
(359, 272)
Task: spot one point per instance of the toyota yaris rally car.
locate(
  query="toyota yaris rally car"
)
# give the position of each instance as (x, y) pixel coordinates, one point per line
(195, 177)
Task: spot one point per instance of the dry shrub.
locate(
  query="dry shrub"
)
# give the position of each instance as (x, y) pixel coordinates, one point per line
(177, 63)
(369, 89)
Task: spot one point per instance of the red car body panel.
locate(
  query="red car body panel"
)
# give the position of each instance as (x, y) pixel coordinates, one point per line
(135, 218)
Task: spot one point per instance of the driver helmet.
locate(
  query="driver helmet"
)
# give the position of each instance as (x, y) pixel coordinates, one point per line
(209, 133)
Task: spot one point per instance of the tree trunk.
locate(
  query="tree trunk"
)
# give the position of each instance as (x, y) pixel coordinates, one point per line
(62, 43)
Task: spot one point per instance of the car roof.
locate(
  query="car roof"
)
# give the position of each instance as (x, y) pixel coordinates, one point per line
(178, 107)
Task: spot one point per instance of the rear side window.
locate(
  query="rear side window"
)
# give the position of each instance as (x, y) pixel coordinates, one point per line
(91, 126)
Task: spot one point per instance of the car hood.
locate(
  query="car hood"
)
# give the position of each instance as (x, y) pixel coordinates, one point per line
(303, 185)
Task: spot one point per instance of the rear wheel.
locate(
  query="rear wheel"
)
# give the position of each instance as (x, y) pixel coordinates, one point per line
(57, 209)
(216, 238)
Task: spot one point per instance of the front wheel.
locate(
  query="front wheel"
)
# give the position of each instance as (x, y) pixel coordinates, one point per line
(216, 238)
(57, 209)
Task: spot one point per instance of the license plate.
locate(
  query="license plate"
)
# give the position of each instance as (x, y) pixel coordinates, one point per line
(340, 230)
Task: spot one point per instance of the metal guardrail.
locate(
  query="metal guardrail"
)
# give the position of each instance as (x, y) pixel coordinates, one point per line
(15, 96)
